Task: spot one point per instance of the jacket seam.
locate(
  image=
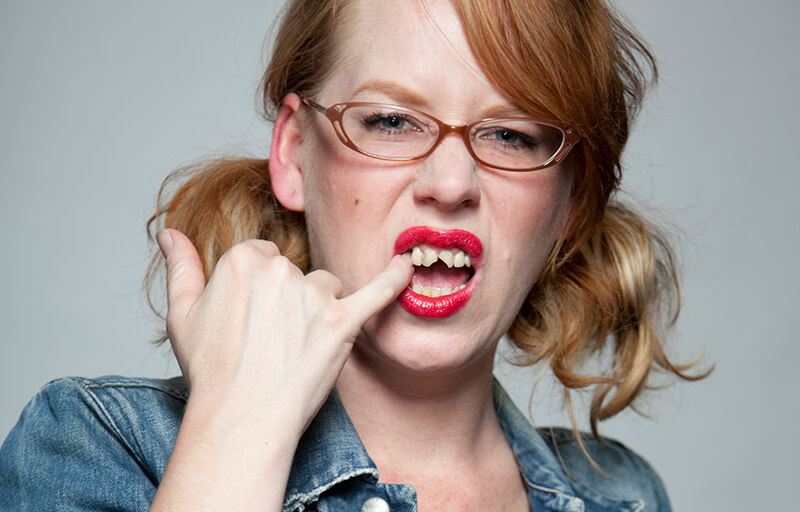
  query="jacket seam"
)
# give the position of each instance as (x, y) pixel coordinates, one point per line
(128, 383)
(108, 420)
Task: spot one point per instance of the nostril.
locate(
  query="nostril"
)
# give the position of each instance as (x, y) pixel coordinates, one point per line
(450, 182)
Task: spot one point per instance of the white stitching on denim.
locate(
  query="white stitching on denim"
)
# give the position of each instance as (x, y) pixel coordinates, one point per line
(574, 503)
(307, 498)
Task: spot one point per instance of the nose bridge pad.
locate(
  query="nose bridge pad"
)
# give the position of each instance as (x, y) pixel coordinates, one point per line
(452, 193)
(463, 132)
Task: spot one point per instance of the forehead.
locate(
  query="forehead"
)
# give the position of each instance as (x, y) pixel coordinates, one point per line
(419, 45)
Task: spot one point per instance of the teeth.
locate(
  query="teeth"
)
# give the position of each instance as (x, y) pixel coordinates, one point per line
(447, 257)
(452, 258)
(416, 257)
(429, 257)
(435, 291)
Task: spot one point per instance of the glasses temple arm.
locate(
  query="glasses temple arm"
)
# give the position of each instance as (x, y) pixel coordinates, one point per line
(313, 104)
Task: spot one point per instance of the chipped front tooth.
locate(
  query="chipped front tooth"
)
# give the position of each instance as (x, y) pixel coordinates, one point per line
(416, 256)
(447, 257)
(452, 258)
(429, 257)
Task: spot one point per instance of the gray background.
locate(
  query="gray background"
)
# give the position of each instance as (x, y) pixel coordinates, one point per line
(100, 100)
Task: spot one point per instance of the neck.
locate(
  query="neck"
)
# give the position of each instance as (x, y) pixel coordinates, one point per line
(412, 423)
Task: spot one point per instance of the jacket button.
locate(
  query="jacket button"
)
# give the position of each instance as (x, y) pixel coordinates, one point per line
(375, 505)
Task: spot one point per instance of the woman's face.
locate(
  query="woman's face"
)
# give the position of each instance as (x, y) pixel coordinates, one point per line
(360, 210)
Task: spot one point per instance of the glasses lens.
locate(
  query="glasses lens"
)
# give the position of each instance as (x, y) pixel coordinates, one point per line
(515, 143)
(389, 131)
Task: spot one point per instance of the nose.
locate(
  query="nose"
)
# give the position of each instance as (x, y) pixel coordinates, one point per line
(447, 177)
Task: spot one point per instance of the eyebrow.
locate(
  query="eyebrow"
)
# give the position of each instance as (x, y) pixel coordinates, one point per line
(505, 111)
(396, 91)
(408, 97)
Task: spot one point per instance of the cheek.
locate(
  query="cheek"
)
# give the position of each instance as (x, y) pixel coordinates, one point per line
(323, 191)
(347, 203)
(534, 210)
(326, 214)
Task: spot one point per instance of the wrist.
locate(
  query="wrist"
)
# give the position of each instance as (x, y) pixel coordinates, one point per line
(243, 423)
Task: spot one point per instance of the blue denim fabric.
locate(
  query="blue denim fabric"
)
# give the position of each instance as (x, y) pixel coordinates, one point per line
(103, 444)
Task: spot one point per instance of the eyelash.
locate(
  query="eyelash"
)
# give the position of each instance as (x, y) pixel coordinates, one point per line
(490, 134)
(378, 117)
(526, 141)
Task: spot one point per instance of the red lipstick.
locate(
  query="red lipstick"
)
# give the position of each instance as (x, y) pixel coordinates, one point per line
(453, 239)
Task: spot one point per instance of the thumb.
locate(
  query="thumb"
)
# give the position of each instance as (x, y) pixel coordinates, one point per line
(185, 278)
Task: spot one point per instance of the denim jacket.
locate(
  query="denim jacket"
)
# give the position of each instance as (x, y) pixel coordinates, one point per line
(103, 444)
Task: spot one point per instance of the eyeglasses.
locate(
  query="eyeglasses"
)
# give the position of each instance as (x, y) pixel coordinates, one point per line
(399, 134)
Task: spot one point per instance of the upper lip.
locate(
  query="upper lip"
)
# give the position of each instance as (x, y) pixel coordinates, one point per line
(445, 238)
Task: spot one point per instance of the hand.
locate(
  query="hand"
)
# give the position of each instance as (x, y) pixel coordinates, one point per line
(261, 346)
(261, 335)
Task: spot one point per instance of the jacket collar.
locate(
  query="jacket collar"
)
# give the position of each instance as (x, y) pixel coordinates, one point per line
(331, 452)
(540, 467)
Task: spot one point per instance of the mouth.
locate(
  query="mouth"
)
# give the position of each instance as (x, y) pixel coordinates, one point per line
(445, 264)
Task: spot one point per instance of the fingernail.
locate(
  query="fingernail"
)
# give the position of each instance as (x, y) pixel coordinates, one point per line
(164, 239)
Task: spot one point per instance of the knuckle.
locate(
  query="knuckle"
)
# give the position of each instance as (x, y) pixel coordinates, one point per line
(235, 256)
(281, 266)
(327, 281)
(332, 317)
(253, 256)
(265, 247)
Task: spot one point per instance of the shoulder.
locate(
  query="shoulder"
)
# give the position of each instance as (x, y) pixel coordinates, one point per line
(70, 388)
(118, 402)
(115, 391)
(84, 438)
(616, 474)
(128, 409)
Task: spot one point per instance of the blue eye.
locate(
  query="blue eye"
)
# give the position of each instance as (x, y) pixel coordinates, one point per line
(513, 138)
(387, 121)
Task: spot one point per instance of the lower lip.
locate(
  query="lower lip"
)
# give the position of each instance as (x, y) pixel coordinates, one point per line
(438, 307)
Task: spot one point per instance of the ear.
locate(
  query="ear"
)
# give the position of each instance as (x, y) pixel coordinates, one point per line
(285, 170)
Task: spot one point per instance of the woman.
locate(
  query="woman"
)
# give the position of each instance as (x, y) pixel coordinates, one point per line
(439, 175)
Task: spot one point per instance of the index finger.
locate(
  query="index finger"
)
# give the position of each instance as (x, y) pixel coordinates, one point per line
(381, 290)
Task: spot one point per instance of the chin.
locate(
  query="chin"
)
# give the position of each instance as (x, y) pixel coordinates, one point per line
(422, 346)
